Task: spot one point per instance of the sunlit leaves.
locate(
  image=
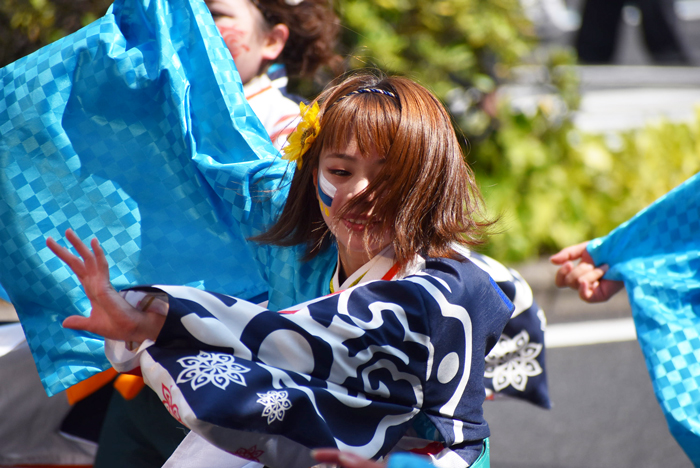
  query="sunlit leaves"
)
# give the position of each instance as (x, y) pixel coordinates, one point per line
(564, 187)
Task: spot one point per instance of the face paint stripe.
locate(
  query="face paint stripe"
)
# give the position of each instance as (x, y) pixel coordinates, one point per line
(324, 208)
(326, 190)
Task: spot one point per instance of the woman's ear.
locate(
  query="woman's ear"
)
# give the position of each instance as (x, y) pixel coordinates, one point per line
(275, 40)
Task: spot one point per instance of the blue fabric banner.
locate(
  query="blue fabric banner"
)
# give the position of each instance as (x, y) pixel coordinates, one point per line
(657, 255)
(108, 131)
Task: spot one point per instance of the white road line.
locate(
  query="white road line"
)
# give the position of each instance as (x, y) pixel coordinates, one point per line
(587, 333)
(11, 336)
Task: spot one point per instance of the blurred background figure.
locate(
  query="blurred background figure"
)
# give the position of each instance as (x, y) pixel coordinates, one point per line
(620, 32)
(600, 23)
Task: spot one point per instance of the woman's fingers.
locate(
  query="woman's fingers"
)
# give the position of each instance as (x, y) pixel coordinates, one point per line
(100, 259)
(88, 260)
(562, 273)
(601, 291)
(584, 276)
(587, 281)
(573, 252)
(90, 263)
(326, 455)
(81, 248)
(111, 315)
(75, 263)
(78, 322)
(583, 273)
(571, 276)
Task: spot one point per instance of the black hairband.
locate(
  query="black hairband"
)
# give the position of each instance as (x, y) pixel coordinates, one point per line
(366, 91)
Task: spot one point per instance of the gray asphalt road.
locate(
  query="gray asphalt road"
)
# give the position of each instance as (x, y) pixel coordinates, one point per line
(605, 413)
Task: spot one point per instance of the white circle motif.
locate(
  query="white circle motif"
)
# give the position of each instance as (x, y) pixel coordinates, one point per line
(288, 350)
(448, 368)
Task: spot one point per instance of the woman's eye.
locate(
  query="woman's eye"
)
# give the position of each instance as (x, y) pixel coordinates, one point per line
(339, 172)
(216, 14)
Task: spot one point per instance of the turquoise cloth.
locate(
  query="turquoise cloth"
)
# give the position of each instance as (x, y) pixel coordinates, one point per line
(657, 255)
(135, 130)
(410, 460)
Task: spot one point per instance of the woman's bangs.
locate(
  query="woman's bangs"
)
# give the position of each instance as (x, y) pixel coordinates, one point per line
(372, 120)
(376, 121)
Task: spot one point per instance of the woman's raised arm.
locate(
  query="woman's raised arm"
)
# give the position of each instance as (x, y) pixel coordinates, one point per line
(111, 316)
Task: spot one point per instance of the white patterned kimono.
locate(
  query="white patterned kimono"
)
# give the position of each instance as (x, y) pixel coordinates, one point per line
(351, 370)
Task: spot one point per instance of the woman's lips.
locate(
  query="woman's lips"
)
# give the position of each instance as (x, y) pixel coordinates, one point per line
(358, 224)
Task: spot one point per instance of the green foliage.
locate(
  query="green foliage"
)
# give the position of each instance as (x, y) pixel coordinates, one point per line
(27, 25)
(442, 44)
(557, 187)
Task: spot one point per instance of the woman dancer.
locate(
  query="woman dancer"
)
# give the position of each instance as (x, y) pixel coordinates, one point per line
(381, 191)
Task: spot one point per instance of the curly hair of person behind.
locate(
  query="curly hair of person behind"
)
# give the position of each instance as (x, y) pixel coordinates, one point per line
(313, 34)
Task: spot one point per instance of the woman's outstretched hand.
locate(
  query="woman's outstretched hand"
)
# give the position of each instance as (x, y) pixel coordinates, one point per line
(584, 277)
(111, 316)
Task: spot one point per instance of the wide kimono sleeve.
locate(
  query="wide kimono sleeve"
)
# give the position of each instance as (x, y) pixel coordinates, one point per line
(657, 255)
(516, 366)
(134, 130)
(349, 370)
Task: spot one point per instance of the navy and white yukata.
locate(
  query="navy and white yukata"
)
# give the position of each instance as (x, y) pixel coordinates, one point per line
(350, 370)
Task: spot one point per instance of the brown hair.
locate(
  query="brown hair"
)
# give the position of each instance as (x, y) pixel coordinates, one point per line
(425, 192)
(313, 34)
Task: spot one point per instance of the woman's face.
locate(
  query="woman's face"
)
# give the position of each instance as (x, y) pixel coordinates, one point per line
(243, 28)
(347, 173)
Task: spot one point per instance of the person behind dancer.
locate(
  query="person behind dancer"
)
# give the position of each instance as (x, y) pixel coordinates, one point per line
(293, 37)
(299, 36)
(381, 183)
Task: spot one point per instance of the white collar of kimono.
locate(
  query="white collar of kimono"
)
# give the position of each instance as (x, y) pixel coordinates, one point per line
(375, 269)
(257, 85)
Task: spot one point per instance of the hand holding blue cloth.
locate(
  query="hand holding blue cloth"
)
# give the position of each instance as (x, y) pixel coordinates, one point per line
(657, 255)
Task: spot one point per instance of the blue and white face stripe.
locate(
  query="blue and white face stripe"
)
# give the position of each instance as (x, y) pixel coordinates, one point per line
(326, 192)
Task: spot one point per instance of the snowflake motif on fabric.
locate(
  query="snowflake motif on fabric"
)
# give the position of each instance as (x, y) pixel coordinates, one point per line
(168, 402)
(216, 368)
(252, 453)
(276, 403)
(513, 361)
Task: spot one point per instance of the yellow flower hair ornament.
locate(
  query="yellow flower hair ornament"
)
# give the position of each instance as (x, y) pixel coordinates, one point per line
(304, 135)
